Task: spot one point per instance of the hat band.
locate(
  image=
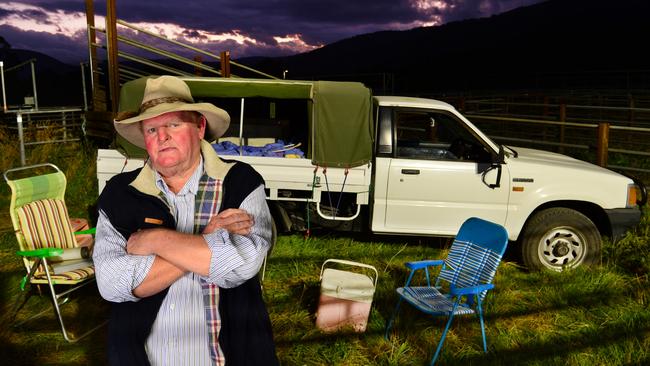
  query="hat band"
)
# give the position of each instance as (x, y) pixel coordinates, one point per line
(154, 102)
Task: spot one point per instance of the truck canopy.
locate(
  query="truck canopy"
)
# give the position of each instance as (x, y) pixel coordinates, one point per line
(340, 113)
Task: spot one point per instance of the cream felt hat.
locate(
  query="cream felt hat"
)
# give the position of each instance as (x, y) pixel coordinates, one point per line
(166, 94)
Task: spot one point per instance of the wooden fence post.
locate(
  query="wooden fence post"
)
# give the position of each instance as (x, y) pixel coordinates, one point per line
(603, 143)
(197, 70)
(225, 64)
(111, 43)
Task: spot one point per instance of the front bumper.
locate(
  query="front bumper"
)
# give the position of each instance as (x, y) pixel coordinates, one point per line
(622, 219)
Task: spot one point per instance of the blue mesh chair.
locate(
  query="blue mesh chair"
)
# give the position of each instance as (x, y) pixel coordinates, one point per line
(467, 273)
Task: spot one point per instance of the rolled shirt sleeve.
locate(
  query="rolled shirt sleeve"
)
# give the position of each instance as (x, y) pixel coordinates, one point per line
(116, 271)
(237, 258)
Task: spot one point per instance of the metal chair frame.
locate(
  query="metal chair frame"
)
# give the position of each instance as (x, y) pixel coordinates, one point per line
(33, 258)
(469, 269)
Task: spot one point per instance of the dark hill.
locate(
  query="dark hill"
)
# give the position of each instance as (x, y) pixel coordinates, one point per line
(57, 83)
(557, 44)
(516, 49)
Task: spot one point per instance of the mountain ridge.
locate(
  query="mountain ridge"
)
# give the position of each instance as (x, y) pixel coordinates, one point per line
(514, 50)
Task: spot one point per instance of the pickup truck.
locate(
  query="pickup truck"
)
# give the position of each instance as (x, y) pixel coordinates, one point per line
(343, 159)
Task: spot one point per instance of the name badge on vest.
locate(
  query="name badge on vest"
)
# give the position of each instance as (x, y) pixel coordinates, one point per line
(150, 220)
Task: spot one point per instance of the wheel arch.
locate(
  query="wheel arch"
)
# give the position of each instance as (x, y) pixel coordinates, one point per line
(594, 212)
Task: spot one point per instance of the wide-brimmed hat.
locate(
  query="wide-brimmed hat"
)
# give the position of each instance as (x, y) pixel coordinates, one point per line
(166, 94)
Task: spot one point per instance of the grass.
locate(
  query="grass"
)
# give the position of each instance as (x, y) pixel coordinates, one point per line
(588, 316)
(583, 317)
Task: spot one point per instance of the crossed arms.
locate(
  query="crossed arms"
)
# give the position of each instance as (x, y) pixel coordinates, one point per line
(229, 252)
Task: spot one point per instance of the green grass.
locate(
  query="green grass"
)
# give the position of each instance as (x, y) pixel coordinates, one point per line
(582, 317)
(591, 316)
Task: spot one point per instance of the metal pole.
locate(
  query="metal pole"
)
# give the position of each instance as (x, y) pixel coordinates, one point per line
(241, 128)
(65, 126)
(562, 126)
(92, 54)
(19, 121)
(83, 86)
(2, 76)
(34, 86)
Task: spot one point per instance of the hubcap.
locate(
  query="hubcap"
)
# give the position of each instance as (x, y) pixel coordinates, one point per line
(562, 247)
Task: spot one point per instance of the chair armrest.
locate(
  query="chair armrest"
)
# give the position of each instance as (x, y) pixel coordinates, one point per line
(423, 264)
(87, 231)
(472, 290)
(41, 253)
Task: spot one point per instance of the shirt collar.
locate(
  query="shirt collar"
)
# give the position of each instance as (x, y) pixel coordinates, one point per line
(191, 186)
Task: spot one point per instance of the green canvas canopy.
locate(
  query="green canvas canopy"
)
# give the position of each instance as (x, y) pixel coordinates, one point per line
(341, 129)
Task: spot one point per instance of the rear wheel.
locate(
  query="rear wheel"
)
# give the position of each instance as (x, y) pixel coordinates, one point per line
(559, 238)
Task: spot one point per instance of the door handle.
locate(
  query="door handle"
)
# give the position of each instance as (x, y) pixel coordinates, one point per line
(411, 171)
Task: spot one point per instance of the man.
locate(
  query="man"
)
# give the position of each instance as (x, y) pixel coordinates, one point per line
(179, 242)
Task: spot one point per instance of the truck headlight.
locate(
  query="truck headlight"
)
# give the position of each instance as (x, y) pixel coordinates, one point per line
(632, 192)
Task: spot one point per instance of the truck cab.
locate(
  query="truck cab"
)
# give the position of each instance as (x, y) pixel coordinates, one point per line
(433, 168)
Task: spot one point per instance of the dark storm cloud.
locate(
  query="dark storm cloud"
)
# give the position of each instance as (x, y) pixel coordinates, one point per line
(60, 47)
(316, 22)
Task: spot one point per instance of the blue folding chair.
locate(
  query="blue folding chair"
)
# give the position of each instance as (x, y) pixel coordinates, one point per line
(468, 270)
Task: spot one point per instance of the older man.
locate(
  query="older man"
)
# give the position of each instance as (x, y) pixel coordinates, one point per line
(180, 241)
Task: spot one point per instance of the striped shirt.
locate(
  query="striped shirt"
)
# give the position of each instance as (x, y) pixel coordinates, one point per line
(180, 334)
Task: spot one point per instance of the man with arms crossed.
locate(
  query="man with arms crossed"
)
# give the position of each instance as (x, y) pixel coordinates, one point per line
(179, 242)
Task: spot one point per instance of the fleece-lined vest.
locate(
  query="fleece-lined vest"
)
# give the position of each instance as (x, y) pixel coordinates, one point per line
(246, 336)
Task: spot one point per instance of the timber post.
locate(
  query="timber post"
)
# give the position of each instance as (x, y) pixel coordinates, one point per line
(225, 64)
(111, 43)
(603, 144)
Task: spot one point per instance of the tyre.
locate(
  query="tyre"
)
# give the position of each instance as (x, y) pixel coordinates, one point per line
(559, 238)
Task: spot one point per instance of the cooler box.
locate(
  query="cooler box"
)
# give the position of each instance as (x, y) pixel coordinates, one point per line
(345, 297)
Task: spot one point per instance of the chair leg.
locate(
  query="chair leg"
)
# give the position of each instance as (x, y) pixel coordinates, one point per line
(444, 334)
(57, 311)
(392, 318)
(264, 267)
(55, 303)
(480, 316)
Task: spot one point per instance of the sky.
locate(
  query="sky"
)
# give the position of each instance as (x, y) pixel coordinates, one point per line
(243, 27)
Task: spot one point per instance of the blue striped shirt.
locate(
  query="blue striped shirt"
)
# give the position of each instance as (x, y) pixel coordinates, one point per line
(180, 335)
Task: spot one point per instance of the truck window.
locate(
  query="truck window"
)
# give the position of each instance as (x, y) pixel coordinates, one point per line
(267, 121)
(436, 135)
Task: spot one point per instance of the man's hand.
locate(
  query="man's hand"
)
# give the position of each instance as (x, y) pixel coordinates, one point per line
(233, 220)
(142, 242)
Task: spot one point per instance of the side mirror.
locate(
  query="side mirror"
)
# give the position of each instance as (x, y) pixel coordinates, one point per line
(496, 164)
(500, 157)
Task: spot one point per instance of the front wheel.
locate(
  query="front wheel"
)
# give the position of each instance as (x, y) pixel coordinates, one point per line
(559, 238)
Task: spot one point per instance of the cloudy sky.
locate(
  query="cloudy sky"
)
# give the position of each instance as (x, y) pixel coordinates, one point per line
(244, 27)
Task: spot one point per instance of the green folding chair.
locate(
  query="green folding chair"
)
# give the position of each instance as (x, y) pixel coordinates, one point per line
(52, 252)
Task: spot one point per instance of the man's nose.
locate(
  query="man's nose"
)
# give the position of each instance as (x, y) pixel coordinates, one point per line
(162, 133)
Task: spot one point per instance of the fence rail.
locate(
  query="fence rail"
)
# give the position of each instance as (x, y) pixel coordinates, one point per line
(622, 140)
(63, 125)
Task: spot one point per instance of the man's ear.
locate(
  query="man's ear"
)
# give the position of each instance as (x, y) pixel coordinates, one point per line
(202, 126)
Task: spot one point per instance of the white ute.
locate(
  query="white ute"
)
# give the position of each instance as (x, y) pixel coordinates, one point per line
(409, 166)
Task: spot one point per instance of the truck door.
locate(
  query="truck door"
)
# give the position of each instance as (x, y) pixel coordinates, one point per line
(438, 175)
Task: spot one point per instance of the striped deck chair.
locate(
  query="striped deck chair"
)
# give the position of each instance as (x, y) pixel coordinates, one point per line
(53, 254)
(464, 279)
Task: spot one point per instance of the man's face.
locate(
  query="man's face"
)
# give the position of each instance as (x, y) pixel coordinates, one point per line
(174, 145)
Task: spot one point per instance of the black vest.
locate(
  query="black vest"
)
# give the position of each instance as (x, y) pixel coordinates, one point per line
(245, 338)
